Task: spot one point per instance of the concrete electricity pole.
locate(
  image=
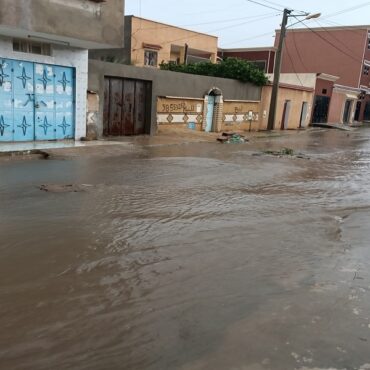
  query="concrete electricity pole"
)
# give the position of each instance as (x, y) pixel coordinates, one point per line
(278, 60)
(277, 69)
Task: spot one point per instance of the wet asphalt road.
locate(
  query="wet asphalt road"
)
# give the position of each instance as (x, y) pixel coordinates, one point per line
(189, 257)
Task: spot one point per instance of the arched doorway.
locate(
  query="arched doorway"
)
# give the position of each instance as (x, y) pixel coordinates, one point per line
(213, 108)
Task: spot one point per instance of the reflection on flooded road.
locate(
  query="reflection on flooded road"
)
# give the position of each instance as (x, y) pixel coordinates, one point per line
(198, 256)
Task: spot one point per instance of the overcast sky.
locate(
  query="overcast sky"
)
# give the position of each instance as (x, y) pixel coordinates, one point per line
(240, 23)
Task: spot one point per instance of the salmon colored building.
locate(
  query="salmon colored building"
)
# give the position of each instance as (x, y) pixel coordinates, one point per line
(343, 54)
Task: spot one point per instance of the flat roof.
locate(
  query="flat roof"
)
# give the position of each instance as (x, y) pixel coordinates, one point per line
(329, 28)
(170, 25)
(263, 48)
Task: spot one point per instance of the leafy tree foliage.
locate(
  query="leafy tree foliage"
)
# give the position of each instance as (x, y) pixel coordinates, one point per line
(234, 68)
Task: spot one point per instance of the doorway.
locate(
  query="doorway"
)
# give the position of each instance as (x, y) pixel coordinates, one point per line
(321, 109)
(302, 122)
(358, 111)
(126, 107)
(286, 113)
(36, 101)
(210, 112)
(347, 111)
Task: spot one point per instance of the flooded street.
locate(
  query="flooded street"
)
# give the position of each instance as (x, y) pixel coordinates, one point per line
(199, 256)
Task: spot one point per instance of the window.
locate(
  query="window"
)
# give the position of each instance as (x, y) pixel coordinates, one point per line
(324, 91)
(26, 46)
(151, 58)
(366, 70)
(260, 64)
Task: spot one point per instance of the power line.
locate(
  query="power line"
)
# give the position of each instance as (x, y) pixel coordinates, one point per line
(328, 42)
(336, 24)
(214, 30)
(335, 38)
(293, 66)
(298, 52)
(214, 10)
(164, 26)
(229, 20)
(292, 62)
(250, 38)
(265, 5)
(347, 10)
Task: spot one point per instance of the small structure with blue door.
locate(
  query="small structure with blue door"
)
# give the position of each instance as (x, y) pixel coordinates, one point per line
(37, 101)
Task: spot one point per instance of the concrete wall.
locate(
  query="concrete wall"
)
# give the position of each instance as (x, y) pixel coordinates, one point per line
(297, 79)
(306, 51)
(89, 22)
(191, 114)
(322, 86)
(165, 83)
(337, 105)
(62, 56)
(296, 96)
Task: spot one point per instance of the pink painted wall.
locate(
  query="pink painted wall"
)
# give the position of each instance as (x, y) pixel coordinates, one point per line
(256, 55)
(306, 51)
(336, 108)
(322, 85)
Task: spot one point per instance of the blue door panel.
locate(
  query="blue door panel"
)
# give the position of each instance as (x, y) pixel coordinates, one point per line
(23, 77)
(44, 80)
(36, 101)
(6, 100)
(23, 106)
(64, 102)
(64, 125)
(6, 125)
(44, 125)
(64, 82)
(23, 125)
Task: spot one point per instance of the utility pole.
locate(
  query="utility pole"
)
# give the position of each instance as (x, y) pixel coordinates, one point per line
(277, 69)
(186, 54)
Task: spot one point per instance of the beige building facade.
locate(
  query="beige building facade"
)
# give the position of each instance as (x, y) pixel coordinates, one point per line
(148, 43)
(152, 43)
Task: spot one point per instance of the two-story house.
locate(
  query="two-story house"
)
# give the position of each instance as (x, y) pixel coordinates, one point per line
(340, 57)
(338, 51)
(148, 43)
(44, 63)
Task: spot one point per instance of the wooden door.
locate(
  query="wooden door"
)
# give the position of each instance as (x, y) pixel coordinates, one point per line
(127, 124)
(126, 107)
(115, 107)
(140, 113)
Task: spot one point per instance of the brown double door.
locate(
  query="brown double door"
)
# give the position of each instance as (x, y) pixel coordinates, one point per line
(126, 107)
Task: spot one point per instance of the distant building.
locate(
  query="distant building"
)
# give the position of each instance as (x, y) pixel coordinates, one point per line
(44, 64)
(263, 58)
(337, 51)
(148, 43)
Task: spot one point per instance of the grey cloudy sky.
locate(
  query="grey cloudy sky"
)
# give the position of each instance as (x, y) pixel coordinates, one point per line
(240, 23)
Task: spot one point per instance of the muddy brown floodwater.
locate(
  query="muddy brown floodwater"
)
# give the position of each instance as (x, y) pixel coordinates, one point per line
(189, 257)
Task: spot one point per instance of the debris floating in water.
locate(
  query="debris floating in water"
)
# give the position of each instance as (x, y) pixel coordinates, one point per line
(231, 138)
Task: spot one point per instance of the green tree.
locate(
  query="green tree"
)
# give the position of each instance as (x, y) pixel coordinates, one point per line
(234, 68)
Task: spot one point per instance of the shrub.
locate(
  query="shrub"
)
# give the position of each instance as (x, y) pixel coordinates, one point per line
(237, 69)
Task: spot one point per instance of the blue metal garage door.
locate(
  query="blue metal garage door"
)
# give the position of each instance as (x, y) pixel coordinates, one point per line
(36, 101)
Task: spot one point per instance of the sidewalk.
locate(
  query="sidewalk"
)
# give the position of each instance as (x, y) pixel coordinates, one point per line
(116, 146)
(23, 148)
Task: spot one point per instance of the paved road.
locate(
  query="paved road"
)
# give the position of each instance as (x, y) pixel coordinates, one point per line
(188, 257)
